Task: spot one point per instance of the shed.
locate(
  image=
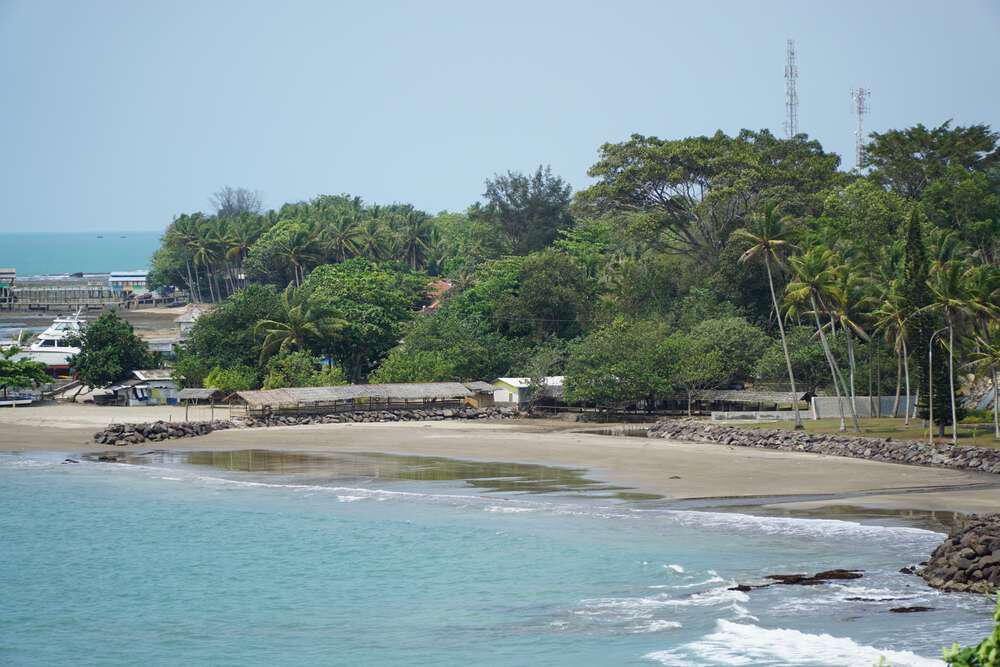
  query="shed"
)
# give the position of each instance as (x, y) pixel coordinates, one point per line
(133, 282)
(195, 395)
(161, 386)
(185, 321)
(482, 394)
(351, 397)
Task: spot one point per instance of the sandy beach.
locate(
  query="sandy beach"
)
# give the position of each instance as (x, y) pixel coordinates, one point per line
(675, 470)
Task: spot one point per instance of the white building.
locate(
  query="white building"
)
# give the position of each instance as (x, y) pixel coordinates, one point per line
(518, 391)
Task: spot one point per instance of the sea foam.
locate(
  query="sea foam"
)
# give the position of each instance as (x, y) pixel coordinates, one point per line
(747, 644)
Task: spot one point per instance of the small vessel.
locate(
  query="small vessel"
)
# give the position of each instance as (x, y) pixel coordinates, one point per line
(53, 346)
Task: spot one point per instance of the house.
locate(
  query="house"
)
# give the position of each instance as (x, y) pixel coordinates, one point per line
(7, 279)
(153, 386)
(128, 282)
(185, 321)
(519, 391)
(482, 394)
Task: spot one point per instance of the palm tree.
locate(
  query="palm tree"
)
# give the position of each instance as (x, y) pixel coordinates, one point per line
(849, 300)
(299, 324)
(951, 300)
(986, 359)
(178, 237)
(414, 237)
(768, 238)
(242, 233)
(815, 275)
(892, 318)
(204, 252)
(298, 250)
(340, 238)
(371, 240)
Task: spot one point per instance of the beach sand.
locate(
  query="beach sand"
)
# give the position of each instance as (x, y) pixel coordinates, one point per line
(675, 470)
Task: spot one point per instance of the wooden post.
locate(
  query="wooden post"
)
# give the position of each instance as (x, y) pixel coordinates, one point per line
(186, 404)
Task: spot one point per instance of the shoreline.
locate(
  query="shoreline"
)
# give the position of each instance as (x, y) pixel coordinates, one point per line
(692, 474)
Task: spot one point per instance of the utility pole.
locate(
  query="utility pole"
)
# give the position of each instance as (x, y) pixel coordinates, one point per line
(859, 105)
(791, 90)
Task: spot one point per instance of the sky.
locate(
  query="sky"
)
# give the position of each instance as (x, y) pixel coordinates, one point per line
(122, 115)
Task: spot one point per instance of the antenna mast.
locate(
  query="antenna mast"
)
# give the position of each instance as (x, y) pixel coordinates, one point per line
(859, 105)
(791, 92)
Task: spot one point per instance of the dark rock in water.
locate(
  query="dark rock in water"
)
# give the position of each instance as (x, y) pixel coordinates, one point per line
(909, 569)
(70, 461)
(969, 558)
(818, 578)
(910, 610)
(742, 588)
(675, 477)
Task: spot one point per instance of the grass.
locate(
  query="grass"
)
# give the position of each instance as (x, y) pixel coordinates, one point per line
(980, 435)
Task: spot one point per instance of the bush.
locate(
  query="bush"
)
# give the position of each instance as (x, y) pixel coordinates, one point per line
(984, 654)
(228, 380)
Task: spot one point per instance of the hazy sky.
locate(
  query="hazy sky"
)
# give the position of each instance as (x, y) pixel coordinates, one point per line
(120, 115)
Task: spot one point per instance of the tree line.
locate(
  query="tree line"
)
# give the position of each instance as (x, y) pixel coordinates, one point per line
(688, 264)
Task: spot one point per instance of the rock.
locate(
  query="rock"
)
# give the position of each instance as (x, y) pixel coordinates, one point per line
(969, 558)
(910, 610)
(818, 578)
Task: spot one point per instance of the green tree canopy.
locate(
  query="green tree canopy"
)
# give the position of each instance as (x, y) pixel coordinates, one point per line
(18, 373)
(109, 351)
(530, 210)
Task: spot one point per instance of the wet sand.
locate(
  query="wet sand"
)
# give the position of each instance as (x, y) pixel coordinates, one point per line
(675, 470)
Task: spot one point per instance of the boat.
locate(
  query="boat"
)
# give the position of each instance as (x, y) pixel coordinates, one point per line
(52, 347)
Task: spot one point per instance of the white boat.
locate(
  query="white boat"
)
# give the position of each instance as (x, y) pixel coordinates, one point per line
(52, 347)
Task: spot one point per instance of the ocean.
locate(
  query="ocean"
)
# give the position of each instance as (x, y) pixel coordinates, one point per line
(55, 253)
(249, 558)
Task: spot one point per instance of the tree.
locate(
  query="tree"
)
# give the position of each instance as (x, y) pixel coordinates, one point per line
(808, 358)
(815, 275)
(228, 380)
(341, 238)
(230, 202)
(414, 233)
(17, 373)
(301, 325)
(109, 351)
(893, 320)
(623, 361)
(769, 243)
(529, 209)
(952, 302)
(403, 365)
(985, 359)
(300, 369)
(739, 343)
(696, 365)
(224, 336)
(907, 161)
(553, 297)
(372, 300)
(696, 191)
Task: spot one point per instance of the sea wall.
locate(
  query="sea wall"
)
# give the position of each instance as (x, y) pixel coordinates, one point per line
(131, 434)
(969, 559)
(964, 457)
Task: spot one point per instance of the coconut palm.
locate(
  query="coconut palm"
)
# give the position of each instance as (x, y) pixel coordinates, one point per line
(340, 238)
(414, 232)
(815, 275)
(204, 252)
(986, 361)
(948, 286)
(299, 324)
(769, 243)
(241, 234)
(298, 250)
(371, 242)
(849, 306)
(892, 319)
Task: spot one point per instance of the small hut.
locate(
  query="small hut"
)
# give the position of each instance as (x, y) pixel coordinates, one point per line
(482, 394)
(356, 397)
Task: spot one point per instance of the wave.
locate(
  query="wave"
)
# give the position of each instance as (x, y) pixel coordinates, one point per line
(679, 569)
(746, 644)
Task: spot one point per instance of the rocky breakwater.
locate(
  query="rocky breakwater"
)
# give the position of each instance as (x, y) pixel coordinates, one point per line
(969, 559)
(874, 449)
(133, 434)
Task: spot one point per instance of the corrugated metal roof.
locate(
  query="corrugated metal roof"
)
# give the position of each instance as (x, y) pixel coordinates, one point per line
(481, 387)
(153, 374)
(521, 383)
(197, 393)
(316, 395)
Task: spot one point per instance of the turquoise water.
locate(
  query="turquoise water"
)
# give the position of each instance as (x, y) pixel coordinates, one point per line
(53, 253)
(168, 563)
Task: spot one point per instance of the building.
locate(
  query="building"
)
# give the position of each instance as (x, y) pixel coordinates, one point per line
(482, 394)
(519, 392)
(185, 321)
(153, 386)
(128, 282)
(7, 279)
